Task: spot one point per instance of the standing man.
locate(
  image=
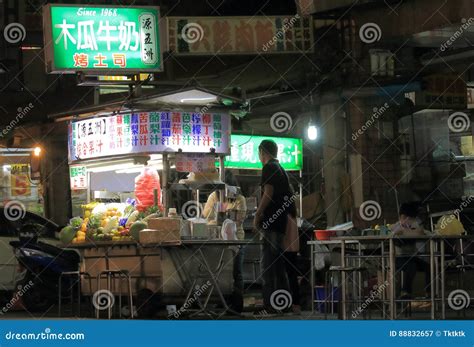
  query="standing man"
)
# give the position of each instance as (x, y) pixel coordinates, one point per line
(271, 220)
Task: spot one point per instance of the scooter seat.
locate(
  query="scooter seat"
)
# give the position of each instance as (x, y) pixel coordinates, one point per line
(68, 255)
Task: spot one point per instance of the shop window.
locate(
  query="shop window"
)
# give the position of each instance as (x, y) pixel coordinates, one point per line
(6, 229)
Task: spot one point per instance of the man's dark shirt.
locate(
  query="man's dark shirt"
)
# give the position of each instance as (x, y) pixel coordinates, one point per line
(275, 215)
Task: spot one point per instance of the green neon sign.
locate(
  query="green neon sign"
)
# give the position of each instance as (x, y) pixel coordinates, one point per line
(81, 38)
(244, 152)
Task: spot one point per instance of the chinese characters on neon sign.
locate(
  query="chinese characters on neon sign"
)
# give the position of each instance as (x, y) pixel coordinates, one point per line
(149, 132)
(103, 38)
(244, 152)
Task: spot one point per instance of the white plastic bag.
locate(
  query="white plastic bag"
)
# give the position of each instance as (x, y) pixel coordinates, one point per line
(322, 257)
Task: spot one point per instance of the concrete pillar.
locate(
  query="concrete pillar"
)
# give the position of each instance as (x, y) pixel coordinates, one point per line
(333, 127)
(56, 181)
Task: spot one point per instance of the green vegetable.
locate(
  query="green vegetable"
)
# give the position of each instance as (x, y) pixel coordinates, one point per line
(133, 218)
(76, 222)
(128, 211)
(67, 234)
(94, 222)
(153, 215)
(150, 210)
(136, 228)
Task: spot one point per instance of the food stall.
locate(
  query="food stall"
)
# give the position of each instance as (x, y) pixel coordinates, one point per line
(120, 157)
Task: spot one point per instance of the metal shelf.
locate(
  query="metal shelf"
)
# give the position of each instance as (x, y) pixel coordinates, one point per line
(197, 185)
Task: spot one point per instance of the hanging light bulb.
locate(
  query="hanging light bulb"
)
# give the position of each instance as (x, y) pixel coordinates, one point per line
(312, 132)
(37, 151)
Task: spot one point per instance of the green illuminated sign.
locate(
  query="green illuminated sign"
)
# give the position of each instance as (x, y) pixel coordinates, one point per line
(94, 38)
(244, 152)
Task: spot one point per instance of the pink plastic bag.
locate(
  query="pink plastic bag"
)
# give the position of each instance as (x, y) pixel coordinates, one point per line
(145, 184)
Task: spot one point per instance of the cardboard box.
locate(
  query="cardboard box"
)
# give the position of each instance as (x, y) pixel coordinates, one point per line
(165, 224)
(159, 236)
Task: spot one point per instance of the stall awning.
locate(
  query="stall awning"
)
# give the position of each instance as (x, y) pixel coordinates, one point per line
(189, 99)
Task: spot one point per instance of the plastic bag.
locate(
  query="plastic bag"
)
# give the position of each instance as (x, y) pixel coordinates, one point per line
(322, 257)
(449, 225)
(145, 184)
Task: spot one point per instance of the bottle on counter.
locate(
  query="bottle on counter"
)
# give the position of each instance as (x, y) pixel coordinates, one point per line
(172, 213)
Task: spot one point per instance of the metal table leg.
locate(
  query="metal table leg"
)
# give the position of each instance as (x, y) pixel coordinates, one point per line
(443, 281)
(436, 275)
(343, 279)
(312, 279)
(383, 278)
(185, 276)
(215, 282)
(360, 282)
(216, 274)
(392, 278)
(432, 277)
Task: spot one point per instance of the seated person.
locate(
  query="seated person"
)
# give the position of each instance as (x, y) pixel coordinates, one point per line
(234, 201)
(407, 260)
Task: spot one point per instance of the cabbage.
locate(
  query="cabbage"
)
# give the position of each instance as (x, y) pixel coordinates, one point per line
(100, 208)
(112, 224)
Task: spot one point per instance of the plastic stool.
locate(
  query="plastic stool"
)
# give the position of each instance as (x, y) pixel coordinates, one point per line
(329, 288)
(111, 276)
(71, 275)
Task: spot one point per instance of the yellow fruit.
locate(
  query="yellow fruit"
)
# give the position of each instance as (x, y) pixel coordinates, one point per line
(115, 238)
(87, 214)
(74, 240)
(120, 228)
(80, 234)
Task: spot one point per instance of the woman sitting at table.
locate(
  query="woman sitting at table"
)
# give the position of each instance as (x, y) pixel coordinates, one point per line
(407, 260)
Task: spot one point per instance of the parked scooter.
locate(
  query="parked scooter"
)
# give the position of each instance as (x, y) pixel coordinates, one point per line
(40, 267)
